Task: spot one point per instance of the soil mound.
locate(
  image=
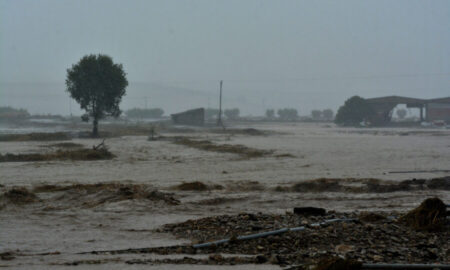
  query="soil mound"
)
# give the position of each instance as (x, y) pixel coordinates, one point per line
(20, 195)
(337, 263)
(430, 215)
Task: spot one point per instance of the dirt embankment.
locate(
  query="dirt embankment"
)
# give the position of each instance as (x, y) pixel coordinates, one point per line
(54, 197)
(243, 151)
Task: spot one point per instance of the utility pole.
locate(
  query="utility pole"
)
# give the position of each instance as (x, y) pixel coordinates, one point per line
(219, 121)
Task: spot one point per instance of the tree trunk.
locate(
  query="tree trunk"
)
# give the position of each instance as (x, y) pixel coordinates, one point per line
(95, 129)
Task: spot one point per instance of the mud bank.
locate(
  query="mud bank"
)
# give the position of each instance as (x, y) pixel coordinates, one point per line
(81, 154)
(58, 197)
(205, 145)
(352, 185)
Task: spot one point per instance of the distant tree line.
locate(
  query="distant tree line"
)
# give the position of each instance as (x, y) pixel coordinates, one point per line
(144, 113)
(285, 114)
(13, 113)
(326, 115)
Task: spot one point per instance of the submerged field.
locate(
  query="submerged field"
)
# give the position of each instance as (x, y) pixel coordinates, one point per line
(55, 212)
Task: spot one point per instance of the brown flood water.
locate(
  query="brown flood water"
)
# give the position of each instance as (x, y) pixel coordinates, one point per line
(77, 219)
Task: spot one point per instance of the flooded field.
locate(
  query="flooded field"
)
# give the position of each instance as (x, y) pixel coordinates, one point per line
(54, 213)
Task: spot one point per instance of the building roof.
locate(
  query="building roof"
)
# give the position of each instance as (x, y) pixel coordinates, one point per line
(396, 99)
(439, 100)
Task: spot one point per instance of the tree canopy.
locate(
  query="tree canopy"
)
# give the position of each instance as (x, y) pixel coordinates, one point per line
(288, 114)
(97, 84)
(328, 114)
(354, 111)
(316, 114)
(270, 113)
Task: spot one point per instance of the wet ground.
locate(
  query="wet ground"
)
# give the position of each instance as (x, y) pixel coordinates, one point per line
(50, 230)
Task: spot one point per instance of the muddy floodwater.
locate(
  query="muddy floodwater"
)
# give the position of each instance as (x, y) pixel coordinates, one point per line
(63, 209)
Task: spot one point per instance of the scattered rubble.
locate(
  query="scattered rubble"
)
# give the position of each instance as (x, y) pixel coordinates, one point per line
(375, 240)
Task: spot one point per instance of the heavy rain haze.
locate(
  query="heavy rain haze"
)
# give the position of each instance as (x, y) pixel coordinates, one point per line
(270, 54)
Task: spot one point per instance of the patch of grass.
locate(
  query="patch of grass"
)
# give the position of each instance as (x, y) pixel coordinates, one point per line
(244, 151)
(55, 136)
(78, 154)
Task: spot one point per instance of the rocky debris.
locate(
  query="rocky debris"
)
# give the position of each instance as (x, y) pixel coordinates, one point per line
(430, 215)
(310, 211)
(227, 226)
(376, 240)
(214, 259)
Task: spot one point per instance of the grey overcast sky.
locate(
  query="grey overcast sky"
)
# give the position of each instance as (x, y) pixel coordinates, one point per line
(301, 54)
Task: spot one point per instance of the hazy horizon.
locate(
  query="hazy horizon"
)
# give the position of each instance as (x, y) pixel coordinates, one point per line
(271, 54)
